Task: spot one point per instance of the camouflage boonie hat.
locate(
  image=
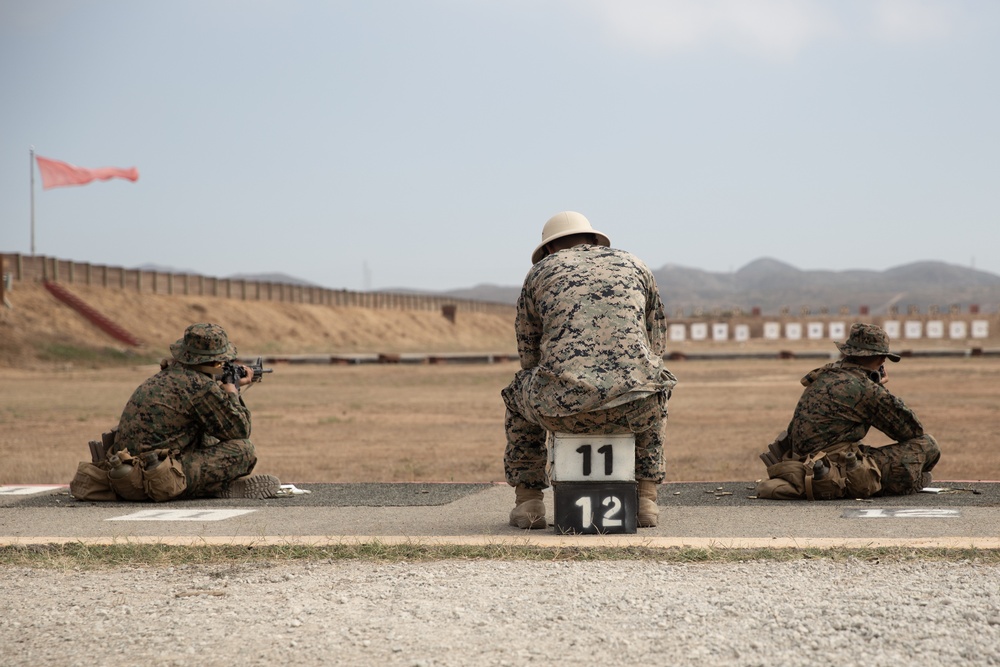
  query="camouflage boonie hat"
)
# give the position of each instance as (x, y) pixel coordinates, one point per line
(867, 340)
(203, 343)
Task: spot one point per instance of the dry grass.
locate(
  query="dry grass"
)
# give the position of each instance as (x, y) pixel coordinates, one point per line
(319, 423)
(78, 557)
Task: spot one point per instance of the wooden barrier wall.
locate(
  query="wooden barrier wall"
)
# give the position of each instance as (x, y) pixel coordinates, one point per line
(39, 268)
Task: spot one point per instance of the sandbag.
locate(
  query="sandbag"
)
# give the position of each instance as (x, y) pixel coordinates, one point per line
(91, 483)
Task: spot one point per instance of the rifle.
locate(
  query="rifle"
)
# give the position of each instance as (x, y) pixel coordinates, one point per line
(233, 371)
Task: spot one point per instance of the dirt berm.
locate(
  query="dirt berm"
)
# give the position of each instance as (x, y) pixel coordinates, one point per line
(37, 330)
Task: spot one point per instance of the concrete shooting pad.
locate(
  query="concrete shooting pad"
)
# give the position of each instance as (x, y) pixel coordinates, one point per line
(692, 514)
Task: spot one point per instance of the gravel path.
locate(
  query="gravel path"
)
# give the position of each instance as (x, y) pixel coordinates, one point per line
(506, 613)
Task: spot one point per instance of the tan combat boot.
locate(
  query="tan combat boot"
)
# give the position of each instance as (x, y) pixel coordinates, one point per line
(255, 487)
(529, 510)
(649, 511)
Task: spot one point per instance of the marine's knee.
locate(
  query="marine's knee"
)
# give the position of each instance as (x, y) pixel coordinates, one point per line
(931, 449)
(238, 455)
(241, 446)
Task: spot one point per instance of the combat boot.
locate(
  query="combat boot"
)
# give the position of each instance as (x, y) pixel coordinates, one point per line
(529, 510)
(649, 511)
(252, 486)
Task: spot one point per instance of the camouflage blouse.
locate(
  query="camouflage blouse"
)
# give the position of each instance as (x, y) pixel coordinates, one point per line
(176, 407)
(840, 403)
(590, 323)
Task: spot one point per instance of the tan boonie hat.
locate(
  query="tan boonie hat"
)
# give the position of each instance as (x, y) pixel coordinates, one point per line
(203, 343)
(564, 224)
(867, 340)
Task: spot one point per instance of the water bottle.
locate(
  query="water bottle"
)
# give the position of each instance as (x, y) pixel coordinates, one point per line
(850, 461)
(149, 460)
(118, 468)
(820, 469)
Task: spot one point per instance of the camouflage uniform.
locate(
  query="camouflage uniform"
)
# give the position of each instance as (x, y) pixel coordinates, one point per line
(843, 400)
(591, 335)
(186, 411)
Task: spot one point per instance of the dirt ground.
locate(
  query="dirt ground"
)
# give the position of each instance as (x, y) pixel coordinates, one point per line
(444, 423)
(408, 422)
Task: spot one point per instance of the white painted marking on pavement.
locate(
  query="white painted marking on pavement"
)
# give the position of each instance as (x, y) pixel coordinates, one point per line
(901, 513)
(26, 489)
(181, 515)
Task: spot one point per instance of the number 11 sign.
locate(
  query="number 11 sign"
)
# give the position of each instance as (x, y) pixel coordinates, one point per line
(593, 458)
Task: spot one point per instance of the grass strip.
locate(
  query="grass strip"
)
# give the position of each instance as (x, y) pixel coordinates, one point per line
(80, 556)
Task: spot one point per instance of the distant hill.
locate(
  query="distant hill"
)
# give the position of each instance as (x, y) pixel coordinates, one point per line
(772, 285)
(486, 292)
(282, 278)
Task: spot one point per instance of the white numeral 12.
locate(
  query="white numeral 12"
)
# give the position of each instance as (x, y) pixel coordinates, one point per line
(614, 505)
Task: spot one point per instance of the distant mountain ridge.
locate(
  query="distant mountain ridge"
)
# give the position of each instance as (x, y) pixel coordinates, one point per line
(283, 278)
(772, 285)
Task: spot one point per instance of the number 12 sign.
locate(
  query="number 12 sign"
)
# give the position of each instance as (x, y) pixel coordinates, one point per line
(586, 508)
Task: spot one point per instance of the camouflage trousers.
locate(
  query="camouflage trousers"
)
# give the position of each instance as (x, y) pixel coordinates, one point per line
(526, 456)
(212, 465)
(903, 464)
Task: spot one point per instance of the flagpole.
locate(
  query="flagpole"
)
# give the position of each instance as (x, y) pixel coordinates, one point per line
(31, 168)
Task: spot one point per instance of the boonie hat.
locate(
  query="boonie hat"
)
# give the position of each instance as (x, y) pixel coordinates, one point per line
(564, 224)
(203, 343)
(867, 340)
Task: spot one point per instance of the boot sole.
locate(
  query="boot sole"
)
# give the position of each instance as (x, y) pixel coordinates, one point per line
(253, 487)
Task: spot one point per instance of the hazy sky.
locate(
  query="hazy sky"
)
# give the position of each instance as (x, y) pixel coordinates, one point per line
(424, 143)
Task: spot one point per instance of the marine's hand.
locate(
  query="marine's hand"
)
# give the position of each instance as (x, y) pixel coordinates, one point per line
(230, 378)
(247, 375)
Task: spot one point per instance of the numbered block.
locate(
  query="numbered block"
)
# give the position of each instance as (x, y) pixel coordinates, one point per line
(585, 508)
(593, 458)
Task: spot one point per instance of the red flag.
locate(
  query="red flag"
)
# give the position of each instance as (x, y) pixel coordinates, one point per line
(57, 174)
